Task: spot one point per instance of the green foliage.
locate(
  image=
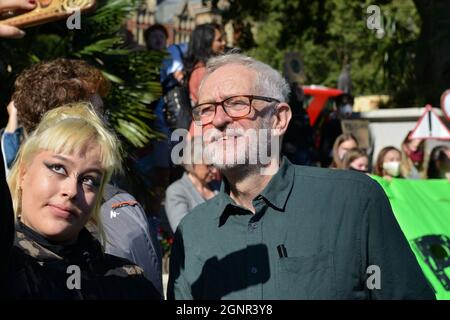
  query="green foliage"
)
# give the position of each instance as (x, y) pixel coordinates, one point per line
(133, 73)
(330, 33)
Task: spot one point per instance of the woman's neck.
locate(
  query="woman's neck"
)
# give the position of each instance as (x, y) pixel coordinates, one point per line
(201, 186)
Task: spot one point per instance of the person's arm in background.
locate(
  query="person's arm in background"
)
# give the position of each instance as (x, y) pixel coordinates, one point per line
(11, 137)
(5, 5)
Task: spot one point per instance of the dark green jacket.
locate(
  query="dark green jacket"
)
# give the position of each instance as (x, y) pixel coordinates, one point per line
(316, 234)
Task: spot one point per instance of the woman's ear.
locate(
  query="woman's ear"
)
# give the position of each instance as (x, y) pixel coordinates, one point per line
(22, 173)
(283, 116)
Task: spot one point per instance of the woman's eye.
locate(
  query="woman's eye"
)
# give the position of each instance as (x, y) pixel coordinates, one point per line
(57, 168)
(90, 181)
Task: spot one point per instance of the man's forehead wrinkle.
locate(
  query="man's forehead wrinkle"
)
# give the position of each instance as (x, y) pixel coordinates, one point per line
(226, 83)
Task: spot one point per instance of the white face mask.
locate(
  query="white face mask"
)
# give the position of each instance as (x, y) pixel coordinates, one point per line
(346, 110)
(392, 168)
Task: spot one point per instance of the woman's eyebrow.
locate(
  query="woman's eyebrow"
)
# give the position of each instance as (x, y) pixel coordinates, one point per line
(62, 158)
(71, 162)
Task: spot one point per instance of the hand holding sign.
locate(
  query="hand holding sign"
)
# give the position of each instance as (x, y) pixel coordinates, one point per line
(7, 8)
(45, 11)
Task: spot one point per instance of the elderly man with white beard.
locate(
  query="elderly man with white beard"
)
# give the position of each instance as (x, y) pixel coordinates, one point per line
(277, 230)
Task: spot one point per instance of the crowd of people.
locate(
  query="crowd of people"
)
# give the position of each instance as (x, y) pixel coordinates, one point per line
(409, 162)
(72, 229)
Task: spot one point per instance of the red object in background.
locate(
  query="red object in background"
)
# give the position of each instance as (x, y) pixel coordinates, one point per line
(320, 96)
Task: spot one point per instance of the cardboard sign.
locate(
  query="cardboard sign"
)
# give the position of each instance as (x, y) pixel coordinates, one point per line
(360, 129)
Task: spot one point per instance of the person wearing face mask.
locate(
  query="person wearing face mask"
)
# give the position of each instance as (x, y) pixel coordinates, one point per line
(439, 163)
(412, 165)
(388, 163)
(357, 160)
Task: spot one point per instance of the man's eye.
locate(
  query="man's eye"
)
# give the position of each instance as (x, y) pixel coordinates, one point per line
(238, 102)
(207, 109)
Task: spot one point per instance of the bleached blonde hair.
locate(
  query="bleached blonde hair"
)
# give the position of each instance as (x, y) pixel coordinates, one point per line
(65, 130)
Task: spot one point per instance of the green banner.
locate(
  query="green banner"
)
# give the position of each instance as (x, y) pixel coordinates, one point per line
(422, 209)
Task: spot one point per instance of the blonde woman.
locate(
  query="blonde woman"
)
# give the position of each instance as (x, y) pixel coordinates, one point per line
(56, 186)
(341, 146)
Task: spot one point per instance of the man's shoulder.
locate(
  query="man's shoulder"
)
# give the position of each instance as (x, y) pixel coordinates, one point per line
(333, 177)
(204, 213)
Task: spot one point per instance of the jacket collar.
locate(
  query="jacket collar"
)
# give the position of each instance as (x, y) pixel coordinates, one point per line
(276, 193)
(43, 249)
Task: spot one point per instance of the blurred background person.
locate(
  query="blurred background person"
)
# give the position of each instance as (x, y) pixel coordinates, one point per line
(60, 81)
(195, 186)
(388, 163)
(156, 37)
(298, 141)
(342, 144)
(329, 128)
(205, 42)
(152, 162)
(412, 166)
(357, 160)
(439, 163)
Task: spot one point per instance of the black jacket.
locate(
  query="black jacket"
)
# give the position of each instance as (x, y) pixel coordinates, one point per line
(6, 221)
(39, 269)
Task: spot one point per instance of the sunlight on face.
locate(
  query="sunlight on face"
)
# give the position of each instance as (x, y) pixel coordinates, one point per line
(59, 192)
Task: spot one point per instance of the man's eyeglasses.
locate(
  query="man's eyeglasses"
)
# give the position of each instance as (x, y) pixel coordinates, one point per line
(235, 107)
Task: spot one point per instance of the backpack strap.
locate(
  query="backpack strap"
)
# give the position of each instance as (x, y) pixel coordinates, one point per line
(179, 50)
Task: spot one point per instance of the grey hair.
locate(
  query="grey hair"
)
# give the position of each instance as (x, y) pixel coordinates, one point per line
(269, 81)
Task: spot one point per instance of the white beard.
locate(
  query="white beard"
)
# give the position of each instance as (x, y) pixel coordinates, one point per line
(236, 148)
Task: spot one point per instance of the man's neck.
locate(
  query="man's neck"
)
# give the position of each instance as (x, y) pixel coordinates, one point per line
(246, 184)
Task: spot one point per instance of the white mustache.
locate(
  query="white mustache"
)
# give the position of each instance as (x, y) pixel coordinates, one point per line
(214, 135)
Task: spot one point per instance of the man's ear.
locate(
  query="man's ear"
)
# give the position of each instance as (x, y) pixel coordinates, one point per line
(283, 116)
